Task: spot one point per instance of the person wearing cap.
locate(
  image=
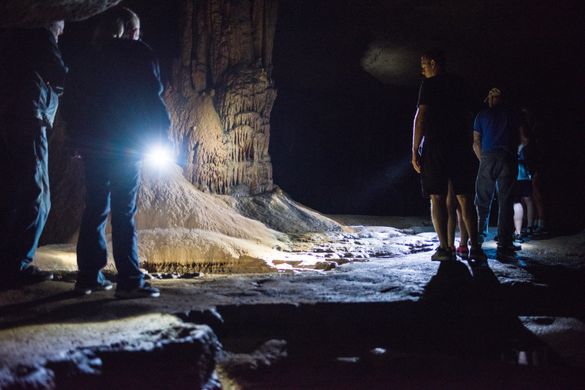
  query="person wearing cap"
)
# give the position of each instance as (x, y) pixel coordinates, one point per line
(442, 131)
(495, 142)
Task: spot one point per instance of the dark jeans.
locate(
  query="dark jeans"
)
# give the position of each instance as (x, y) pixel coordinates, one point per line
(25, 199)
(497, 170)
(109, 183)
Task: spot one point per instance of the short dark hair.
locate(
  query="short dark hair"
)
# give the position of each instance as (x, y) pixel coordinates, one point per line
(114, 23)
(436, 55)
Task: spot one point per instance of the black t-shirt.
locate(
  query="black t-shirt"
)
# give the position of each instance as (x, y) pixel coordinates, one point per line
(449, 105)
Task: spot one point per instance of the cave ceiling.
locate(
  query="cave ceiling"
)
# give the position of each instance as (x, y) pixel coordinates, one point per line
(508, 41)
(31, 13)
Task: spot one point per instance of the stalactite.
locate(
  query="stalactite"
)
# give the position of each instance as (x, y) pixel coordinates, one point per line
(223, 106)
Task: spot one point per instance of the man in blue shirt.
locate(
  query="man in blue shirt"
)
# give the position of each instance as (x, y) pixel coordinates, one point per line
(495, 142)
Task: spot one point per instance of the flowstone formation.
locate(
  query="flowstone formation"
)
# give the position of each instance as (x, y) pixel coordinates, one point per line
(220, 213)
(221, 94)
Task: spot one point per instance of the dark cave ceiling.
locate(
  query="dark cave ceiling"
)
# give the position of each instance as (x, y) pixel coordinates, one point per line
(36, 12)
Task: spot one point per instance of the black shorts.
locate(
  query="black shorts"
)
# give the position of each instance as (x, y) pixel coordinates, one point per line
(522, 189)
(441, 164)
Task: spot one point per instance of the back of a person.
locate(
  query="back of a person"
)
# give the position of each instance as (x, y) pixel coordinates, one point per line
(499, 129)
(116, 104)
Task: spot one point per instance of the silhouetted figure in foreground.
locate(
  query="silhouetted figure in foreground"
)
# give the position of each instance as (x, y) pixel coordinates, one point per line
(496, 138)
(114, 112)
(32, 75)
(442, 128)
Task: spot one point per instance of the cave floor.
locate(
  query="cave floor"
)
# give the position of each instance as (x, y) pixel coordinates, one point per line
(401, 321)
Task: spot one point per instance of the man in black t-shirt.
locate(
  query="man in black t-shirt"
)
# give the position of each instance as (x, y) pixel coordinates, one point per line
(442, 131)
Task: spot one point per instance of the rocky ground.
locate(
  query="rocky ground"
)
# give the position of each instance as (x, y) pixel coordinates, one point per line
(359, 308)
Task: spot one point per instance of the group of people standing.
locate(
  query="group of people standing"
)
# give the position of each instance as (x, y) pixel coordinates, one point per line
(446, 153)
(112, 106)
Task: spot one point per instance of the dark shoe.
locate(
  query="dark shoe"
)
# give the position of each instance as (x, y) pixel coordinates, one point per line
(477, 255)
(518, 238)
(32, 275)
(87, 289)
(506, 253)
(527, 232)
(481, 237)
(443, 255)
(463, 252)
(146, 291)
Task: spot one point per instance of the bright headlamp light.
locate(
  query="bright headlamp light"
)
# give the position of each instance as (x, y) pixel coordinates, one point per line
(159, 157)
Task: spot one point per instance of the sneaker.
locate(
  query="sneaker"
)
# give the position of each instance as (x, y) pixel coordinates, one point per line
(463, 252)
(145, 291)
(32, 275)
(477, 256)
(527, 232)
(442, 254)
(518, 238)
(85, 289)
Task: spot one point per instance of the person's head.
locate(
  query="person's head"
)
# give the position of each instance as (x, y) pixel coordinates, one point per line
(432, 63)
(119, 22)
(130, 22)
(56, 28)
(494, 97)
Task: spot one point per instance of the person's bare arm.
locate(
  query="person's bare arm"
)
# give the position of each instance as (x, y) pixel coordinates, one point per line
(417, 134)
(477, 144)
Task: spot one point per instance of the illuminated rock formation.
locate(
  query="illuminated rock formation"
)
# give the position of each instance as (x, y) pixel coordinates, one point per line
(221, 94)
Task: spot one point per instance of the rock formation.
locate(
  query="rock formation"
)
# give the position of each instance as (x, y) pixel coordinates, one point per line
(30, 13)
(221, 94)
(220, 98)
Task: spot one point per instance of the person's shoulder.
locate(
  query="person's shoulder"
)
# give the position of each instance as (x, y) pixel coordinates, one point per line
(484, 112)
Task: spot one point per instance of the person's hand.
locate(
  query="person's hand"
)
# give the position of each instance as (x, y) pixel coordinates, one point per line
(416, 162)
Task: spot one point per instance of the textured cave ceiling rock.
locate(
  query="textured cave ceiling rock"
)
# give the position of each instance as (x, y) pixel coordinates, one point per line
(507, 41)
(30, 13)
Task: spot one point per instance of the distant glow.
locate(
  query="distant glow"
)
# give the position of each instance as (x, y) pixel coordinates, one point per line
(159, 157)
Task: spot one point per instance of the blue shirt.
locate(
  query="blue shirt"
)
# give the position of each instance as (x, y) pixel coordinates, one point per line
(498, 127)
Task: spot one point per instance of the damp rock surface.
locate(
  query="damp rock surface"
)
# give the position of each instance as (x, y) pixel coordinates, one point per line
(422, 317)
(125, 350)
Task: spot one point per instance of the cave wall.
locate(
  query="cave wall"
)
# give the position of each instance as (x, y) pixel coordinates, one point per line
(221, 94)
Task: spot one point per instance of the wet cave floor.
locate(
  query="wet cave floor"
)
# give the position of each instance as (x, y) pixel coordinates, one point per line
(385, 322)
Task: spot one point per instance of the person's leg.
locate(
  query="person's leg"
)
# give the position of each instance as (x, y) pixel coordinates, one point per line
(529, 210)
(92, 248)
(470, 219)
(125, 184)
(439, 217)
(463, 232)
(451, 216)
(507, 172)
(24, 218)
(518, 218)
(484, 192)
(538, 200)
